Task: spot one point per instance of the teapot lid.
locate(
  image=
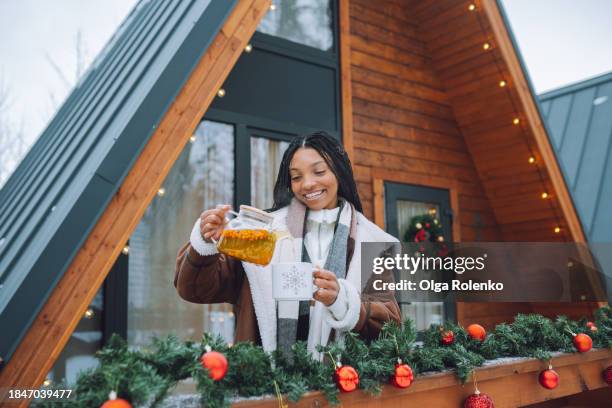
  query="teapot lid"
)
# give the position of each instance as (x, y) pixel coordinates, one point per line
(256, 213)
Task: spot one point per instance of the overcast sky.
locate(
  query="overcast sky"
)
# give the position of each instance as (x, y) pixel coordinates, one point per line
(562, 41)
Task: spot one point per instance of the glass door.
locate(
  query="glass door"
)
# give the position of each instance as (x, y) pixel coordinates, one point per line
(403, 202)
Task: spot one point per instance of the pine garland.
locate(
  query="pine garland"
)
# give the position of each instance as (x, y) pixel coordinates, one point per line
(145, 377)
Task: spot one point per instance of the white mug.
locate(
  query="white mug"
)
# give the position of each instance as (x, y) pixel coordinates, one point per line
(292, 281)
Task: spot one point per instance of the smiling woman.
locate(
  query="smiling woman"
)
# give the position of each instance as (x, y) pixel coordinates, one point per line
(316, 200)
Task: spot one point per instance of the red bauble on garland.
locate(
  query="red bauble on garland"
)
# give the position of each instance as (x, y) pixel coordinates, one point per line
(478, 400)
(591, 326)
(549, 379)
(114, 402)
(215, 363)
(346, 378)
(583, 342)
(476, 332)
(447, 337)
(607, 375)
(403, 375)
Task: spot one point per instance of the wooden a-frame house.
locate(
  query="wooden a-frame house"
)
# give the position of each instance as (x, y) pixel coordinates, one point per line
(430, 99)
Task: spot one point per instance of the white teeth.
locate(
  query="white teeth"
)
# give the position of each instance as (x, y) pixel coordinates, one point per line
(314, 195)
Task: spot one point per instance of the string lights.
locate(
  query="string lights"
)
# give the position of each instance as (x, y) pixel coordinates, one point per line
(221, 93)
(516, 120)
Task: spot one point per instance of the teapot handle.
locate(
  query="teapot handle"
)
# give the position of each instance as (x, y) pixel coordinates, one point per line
(225, 221)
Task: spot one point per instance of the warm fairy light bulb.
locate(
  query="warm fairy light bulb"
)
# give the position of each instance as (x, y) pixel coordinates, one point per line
(472, 7)
(221, 93)
(516, 121)
(557, 230)
(125, 250)
(161, 192)
(531, 159)
(192, 139)
(502, 83)
(248, 48)
(272, 6)
(89, 313)
(486, 46)
(47, 382)
(544, 195)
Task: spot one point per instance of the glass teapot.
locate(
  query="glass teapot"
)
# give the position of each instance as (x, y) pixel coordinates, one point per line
(249, 236)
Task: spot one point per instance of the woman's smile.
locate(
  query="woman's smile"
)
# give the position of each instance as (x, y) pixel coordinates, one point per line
(316, 195)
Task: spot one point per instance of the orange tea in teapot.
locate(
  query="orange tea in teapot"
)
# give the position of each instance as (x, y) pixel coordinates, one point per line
(249, 236)
(250, 245)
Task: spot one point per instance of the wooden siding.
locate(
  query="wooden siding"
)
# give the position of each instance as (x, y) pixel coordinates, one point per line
(402, 120)
(484, 111)
(427, 109)
(404, 129)
(50, 331)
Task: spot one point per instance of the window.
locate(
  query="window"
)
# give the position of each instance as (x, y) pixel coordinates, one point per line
(307, 22)
(202, 177)
(402, 202)
(78, 354)
(266, 156)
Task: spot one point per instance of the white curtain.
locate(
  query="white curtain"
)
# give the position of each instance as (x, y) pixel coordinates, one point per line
(422, 313)
(266, 156)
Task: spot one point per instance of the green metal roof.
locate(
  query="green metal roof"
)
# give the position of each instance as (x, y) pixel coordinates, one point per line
(579, 119)
(58, 192)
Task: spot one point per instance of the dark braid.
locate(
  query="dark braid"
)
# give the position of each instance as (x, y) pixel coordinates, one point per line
(336, 158)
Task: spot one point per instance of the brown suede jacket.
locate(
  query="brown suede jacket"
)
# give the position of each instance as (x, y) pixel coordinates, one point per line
(221, 279)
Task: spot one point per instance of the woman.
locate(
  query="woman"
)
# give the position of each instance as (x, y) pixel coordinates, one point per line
(316, 200)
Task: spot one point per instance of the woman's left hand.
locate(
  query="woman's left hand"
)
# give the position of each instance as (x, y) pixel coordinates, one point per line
(328, 286)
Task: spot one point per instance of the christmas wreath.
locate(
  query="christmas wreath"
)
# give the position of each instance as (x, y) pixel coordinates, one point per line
(426, 234)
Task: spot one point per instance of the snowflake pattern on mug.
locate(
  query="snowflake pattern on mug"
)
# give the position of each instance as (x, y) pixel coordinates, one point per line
(292, 280)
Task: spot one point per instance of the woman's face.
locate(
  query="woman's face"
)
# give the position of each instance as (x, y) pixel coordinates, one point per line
(312, 181)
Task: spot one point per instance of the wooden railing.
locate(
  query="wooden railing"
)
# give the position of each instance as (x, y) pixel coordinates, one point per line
(509, 382)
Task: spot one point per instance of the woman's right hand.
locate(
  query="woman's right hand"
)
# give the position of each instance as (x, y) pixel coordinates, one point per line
(212, 222)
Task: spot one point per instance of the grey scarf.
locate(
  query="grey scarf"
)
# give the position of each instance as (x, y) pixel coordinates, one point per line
(290, 311)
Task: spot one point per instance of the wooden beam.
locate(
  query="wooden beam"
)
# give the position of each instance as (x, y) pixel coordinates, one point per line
(345, 78)
(54, 325)
(534, 121)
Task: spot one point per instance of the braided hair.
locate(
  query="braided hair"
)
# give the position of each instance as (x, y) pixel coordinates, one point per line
(336, 158)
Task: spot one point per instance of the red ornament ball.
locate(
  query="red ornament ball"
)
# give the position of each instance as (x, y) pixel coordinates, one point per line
(476, 332)
(549, 379)
(447, 337)
(583, 342)
(607, 375)
(114, 402)
(346, 378)
(403, 376)
(478, 400)
(216, 363)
